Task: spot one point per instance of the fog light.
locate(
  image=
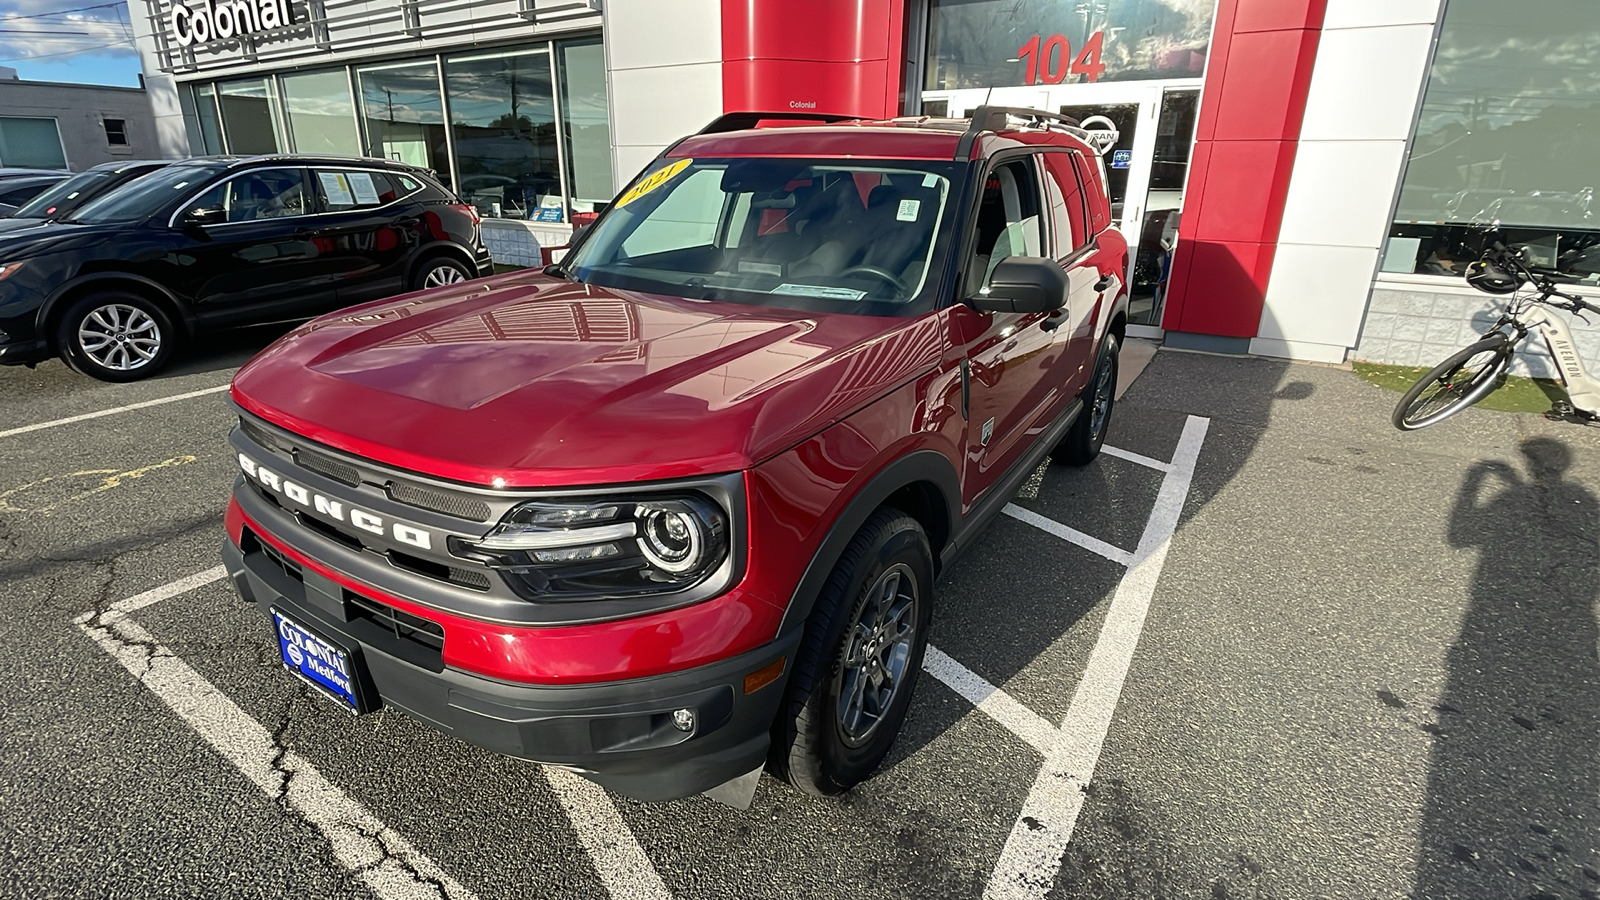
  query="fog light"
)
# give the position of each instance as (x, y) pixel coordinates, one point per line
(683, 719)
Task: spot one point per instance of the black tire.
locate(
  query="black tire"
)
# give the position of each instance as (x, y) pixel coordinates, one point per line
(116, 336)
(1466, 377)
(813, 748)
(1082, 442)
(436, 271)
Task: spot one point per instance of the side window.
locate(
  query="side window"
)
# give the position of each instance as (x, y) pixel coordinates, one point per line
(342, 191)
(1009, 222)
(254, 196)
(1093, 174)
(687, 217)
(1069, 209)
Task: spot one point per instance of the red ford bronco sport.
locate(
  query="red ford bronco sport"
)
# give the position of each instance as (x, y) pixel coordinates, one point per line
(673, 509)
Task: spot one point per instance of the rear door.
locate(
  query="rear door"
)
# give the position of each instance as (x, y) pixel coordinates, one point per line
(1078, 250)
(366, 229)
(1017, 372)
(253, 257)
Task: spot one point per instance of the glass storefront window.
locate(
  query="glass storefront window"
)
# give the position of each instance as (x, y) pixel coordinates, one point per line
(321, 117)
(585, 123)
(404, 115)
(1504, 145)
(998, 43)
(205, 109)
(31, 142)
(248, 116)
(502, 114)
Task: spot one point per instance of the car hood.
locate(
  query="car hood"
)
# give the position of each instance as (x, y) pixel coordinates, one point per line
(41, 236)
(525, 380)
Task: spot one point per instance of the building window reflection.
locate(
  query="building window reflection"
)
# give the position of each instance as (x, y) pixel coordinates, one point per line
(502, 115)
(205, 110)
(249, 115)
(321, 117)
(585, 123)
(404, 115)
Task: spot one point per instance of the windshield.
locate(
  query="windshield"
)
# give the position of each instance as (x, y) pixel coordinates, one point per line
(61, 197)
(852, 235)
(143, 197)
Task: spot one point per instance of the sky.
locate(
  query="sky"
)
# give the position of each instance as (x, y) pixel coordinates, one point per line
(80, 41)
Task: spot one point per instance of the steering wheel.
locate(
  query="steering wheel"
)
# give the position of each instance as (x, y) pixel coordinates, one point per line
(881, 274)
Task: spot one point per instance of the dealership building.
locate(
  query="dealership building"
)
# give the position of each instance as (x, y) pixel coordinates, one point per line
(1302, 178)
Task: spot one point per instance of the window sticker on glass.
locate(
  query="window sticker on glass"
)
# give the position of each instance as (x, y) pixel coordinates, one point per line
(652, 181)
(337, 188)
(361, 183)
(819, 290)
(929, 180)
(908, 210)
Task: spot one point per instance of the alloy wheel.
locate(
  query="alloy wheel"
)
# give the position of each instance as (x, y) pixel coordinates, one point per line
(877, 652)
(119, 337)
(1104, 390)
(442, 275)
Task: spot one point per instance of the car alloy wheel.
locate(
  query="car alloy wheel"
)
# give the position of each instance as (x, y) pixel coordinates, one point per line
(119, 337)
(875, 659)
(441, 275)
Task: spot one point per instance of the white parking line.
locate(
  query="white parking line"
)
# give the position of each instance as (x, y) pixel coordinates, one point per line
(1069, 534)
(1133, 457)
(377, 854)
(40, 426)
(1032, 854)
(997, 704)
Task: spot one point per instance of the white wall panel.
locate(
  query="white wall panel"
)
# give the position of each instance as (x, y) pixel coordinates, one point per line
(1340, 193)
(1366, 83)
(1317, 293)
(658, 106)
(646, 34)
(663, 75)
(1372, 13)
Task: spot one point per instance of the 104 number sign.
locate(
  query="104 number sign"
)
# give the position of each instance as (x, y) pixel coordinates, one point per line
(1046, 58)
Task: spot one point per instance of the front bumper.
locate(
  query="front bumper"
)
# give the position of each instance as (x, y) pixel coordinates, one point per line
(19, 353)
(619, 734)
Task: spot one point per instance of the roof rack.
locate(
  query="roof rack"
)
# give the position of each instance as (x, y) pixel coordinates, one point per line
(739, 121)
(998, 118)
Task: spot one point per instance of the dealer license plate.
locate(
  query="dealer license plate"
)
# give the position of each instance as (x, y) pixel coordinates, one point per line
(320, 663)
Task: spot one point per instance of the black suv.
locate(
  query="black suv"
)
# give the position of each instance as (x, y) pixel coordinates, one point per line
(115, 286)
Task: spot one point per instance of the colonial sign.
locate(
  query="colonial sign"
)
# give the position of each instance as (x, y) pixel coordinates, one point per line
(218, 20)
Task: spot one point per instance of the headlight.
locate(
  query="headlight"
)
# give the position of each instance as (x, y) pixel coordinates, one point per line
(8, 269)
(558, 550)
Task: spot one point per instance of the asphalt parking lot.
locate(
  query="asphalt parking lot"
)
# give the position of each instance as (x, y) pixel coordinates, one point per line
(1266, 647)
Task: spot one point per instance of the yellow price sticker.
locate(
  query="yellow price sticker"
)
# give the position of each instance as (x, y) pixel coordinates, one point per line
(652, 181)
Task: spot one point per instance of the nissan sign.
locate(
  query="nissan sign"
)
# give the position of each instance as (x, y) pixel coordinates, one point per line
(219, 20)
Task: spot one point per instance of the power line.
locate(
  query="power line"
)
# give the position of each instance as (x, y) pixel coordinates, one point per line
(68, 52)
(60, 12)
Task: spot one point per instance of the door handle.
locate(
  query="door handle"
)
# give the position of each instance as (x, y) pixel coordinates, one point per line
(1103, 283)
(1054, 320)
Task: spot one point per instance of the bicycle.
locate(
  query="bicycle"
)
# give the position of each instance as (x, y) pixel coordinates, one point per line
(1476, 371)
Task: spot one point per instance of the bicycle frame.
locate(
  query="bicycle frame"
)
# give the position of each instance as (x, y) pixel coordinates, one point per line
(1582, 389)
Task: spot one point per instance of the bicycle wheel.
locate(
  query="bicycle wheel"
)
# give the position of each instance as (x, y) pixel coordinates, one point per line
(1455, 384)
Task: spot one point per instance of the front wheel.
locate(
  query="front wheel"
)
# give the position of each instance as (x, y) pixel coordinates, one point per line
(859, 660)
(1455, 384)
(116, 336)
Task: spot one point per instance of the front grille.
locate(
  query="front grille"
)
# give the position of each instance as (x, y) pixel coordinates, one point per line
(439, 571)
(343, 473)
(249, 544)
(451, 504)
(406, 628)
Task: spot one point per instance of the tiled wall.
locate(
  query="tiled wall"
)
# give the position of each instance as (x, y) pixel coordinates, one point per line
(515, 243)
(1418, 326)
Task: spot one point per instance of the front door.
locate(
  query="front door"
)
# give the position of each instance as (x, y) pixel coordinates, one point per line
(1145, 168)
(249, 251)
(1018, 365)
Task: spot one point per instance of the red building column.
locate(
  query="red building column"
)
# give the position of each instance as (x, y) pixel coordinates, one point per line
(845, 57)
(1261, 57)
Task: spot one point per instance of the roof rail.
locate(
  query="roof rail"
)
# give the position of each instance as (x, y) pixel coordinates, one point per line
(998, 118)
(739, 121)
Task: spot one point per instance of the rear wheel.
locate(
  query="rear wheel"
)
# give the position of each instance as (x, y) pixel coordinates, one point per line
(116, 336)
(439, 271)
(1455, 384)
(859, 659)
(1082, 442)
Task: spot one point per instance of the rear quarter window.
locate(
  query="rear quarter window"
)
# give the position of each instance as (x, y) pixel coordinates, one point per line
(341, 190)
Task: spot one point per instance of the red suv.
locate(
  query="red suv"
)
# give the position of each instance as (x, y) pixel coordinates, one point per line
(673, 509)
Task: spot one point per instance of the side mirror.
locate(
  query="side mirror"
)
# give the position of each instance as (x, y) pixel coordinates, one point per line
(1024, 284)
(203, 215)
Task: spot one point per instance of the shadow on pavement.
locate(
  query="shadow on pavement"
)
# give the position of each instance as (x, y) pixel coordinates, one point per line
(1513, 802)
(226, 349)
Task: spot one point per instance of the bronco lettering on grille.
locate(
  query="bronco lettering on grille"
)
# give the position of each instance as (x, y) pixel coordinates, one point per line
(336, 510)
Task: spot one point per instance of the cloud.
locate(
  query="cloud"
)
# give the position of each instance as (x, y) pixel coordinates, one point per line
(38, 29)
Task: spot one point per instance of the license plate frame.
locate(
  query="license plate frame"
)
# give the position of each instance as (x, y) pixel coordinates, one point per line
(334, 670)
